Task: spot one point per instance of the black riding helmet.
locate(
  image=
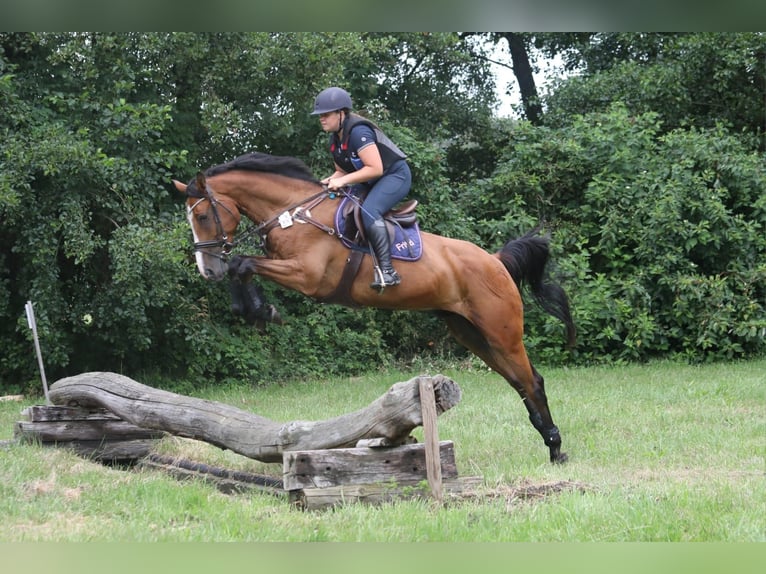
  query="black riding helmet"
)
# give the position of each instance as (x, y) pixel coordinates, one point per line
(331, 100)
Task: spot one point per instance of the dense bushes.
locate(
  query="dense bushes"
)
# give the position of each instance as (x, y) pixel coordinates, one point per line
(660, 236)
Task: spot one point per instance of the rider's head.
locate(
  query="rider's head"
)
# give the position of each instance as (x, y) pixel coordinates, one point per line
(332, 106)
(332, 99)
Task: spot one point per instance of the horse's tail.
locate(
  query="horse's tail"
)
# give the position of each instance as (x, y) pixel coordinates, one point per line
(526, 258)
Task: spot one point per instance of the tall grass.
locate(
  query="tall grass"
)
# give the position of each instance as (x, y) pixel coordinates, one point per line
(658, 452)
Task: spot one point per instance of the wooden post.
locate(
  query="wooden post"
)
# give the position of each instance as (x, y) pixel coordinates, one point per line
(433, 460)
(33, 325)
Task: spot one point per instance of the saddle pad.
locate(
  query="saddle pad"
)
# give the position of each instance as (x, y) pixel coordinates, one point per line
(406, 243)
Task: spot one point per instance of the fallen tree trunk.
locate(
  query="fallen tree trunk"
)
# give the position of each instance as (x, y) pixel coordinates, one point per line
(390, 417)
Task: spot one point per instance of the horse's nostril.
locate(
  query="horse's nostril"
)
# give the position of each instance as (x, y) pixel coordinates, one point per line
(213, 275)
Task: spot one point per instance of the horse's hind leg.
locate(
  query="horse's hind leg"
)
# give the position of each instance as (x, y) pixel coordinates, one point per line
(515, 367)
(550, 434)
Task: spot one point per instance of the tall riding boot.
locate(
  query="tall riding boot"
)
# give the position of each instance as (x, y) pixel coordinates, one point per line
(385, 274)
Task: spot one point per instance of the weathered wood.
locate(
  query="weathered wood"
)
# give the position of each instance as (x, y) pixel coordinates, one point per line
(97, 430)
(324, 468)
(381, 442)
(431, 433)
(392, 416)
(325, 498)
(225, 480)
(111, 452)
(96, 434)
(45, 413)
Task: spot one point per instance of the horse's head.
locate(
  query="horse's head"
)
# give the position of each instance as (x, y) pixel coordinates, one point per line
(213, 219)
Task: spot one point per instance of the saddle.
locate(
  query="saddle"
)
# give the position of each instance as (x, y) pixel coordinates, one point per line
(401, 223)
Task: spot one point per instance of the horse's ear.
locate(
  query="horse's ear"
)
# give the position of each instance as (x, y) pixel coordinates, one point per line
(179, 186)
(201, 183)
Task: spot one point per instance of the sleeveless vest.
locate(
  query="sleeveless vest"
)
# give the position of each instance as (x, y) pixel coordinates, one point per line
(389, 152)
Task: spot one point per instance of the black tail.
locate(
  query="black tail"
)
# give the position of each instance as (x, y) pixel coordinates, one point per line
(526, 258)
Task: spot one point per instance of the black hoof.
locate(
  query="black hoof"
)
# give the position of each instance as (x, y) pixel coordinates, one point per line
(559, 458)
(273, 316)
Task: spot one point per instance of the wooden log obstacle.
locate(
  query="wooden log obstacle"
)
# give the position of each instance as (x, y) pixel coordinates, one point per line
(368, 455)
(91, 432)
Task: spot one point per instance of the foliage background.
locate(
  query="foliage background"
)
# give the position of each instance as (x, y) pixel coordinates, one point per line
(646, 167)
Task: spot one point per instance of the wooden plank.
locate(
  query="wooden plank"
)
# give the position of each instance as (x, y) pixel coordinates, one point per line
(346, 466)
(325, 498)
(65, 431)
(433, 464)
(44, 413)
(382, 442)
(118, 451)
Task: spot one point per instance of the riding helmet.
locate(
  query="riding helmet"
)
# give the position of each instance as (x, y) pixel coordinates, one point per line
(331, 100)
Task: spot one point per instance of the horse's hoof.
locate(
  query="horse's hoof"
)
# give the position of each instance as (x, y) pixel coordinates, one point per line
(274, 316)
(560, 458)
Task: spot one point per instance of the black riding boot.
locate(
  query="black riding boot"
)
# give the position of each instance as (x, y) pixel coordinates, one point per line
(385, 274)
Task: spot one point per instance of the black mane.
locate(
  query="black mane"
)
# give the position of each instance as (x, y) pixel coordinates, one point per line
(257, 161)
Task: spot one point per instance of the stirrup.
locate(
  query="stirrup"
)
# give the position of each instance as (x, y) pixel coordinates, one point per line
(385, 278)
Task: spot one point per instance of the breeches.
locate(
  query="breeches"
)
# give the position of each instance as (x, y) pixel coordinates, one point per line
(385, 193)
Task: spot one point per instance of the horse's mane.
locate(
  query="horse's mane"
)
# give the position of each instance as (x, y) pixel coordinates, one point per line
(257, 161)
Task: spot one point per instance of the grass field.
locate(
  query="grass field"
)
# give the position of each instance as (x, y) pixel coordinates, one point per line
(658, 452)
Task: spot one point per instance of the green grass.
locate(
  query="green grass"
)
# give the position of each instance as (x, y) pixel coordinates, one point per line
(658, 452)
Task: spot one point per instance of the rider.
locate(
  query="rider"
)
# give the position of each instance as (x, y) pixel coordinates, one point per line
(381, 167)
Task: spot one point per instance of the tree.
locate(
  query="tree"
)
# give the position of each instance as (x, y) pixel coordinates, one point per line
(522, 69)
(656, 196)
(698, 79)
(82, 209)
(95, 125)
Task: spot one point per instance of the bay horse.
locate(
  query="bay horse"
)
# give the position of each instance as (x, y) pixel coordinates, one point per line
(477, 293)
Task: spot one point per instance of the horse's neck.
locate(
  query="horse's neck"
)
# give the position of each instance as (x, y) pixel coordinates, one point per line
(263, 196)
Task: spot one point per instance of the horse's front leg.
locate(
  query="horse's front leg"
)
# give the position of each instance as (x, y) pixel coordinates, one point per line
(248, 300)
(289, 273)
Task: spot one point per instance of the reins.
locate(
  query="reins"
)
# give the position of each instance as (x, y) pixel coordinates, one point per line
(300, 213)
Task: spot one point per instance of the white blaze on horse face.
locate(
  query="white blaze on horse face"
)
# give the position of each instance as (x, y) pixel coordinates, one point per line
(198, 255)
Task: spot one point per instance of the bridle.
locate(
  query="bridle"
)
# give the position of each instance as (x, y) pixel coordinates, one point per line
(222, 240)
(300, 213)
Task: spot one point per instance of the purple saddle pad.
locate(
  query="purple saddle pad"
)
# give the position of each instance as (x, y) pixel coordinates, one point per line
(406, 242)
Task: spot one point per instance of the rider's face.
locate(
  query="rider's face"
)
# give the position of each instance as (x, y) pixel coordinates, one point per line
(330, 121)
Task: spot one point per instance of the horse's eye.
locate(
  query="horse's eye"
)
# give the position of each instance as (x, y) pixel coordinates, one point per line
(202, 218)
